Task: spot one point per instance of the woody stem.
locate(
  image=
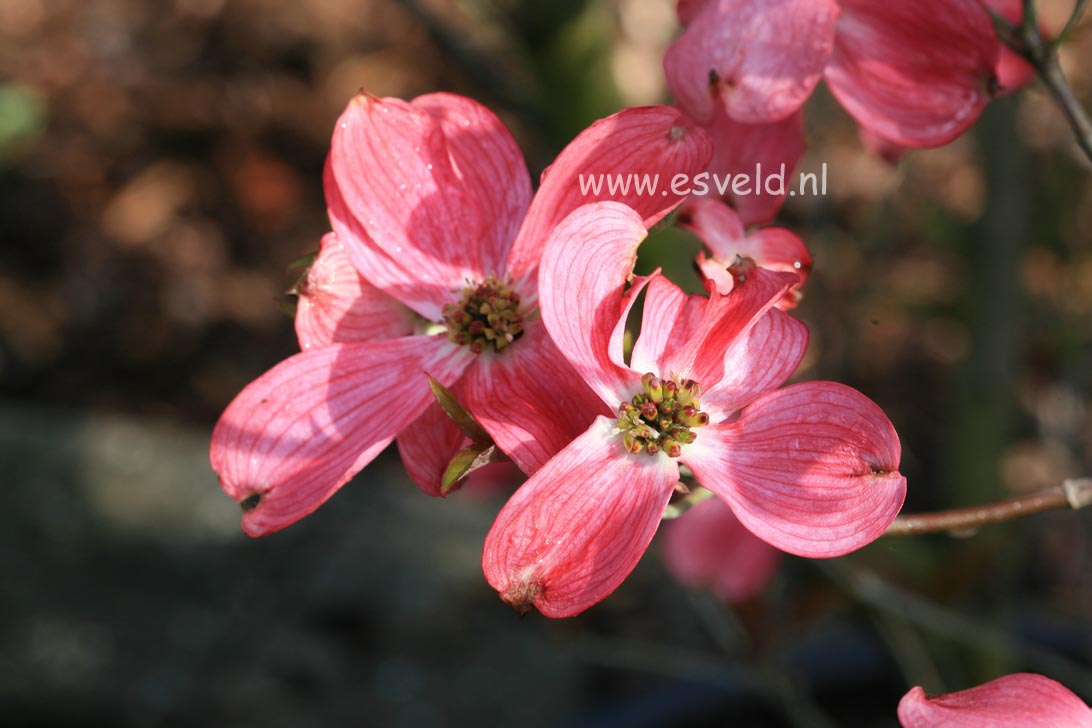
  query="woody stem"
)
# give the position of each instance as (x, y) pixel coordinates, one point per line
(1027, 41)
(1075, 494)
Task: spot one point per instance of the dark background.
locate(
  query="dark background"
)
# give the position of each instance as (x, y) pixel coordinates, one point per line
(160, 168)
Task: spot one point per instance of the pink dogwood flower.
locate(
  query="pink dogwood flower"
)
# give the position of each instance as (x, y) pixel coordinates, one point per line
(1022, 700)
(708, 547)
(773, 248)
(431, 205)
(812, 468)
(915, 74)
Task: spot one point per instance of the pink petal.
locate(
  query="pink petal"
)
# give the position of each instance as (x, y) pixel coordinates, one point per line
(811, 469)
(428, 444)
(398, 204)
(653, 140)
(337, 305)
(773, 248)
(491, 167)
(761, 59)
(573, 532)
(584, 269)
(758, 361)
(1022, 700)
(530, 399)
(758, 151)
(708, 547)
(917, 74)
(299, 432)
(669, 315)
(701, 354)
(381, 270)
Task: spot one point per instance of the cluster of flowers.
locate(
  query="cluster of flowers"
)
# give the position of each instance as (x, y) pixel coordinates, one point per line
(459, 314)
(442, 264)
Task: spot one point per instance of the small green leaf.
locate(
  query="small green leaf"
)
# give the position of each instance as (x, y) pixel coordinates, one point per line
(697, 495)
(458, 415)
(467, 461)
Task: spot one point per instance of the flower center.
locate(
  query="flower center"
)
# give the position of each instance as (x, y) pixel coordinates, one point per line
(662, 416)
(487, 317)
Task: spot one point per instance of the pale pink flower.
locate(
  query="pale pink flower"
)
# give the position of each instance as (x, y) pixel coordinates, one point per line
(773, 248)
(708, 547)
(431, 204)
(1022, 700)
(812, 468)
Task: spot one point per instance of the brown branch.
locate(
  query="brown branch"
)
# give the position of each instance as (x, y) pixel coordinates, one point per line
(1028, 42)
(1075, 494)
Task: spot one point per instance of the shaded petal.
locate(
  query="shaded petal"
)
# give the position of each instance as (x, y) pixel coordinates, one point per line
(491, 168)
(761, 59)
(1021, 700)
(917, 74)
(658, 141)
(669, 314)
(428, 444)
(390, 172)
(811, 468)
(758, 151)
(758, 361)
(708, 547)
(584, 269)
(336, 305)
(574, 531)
(299, 432)
(772, 248)
(701, 355)
(530, 399)
(616, 347)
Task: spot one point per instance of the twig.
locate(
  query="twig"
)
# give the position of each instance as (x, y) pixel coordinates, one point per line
(938, 619)
(1027, 41)
(1075, 16)
(1075, 494)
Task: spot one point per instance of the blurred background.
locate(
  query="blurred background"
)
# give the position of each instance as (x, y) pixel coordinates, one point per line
(160, 169)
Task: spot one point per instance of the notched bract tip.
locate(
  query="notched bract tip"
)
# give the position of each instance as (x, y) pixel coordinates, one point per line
(521, 597)
(250, 502)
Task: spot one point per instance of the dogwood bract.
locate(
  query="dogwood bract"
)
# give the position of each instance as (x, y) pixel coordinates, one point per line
(811, 468)
(431, 203)
(1022, 700)
(916, 74)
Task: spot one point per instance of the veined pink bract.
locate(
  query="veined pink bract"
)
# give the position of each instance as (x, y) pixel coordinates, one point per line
(1021, 700)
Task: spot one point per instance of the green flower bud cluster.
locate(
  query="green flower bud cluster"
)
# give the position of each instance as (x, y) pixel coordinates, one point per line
(662, 416)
